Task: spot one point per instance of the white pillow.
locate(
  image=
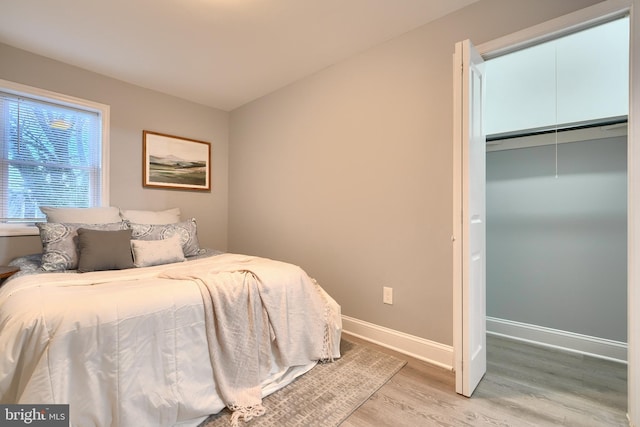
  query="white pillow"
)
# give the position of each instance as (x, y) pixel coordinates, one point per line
(155, 252)
(169, 216)
(100, 215)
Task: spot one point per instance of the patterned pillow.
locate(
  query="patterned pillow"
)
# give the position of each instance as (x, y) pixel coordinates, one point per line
(59, 246)
(187, 231)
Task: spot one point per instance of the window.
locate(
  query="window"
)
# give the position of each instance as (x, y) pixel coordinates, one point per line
(54, 152)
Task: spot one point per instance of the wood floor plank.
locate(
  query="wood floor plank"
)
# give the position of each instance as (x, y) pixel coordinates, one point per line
(525, 385)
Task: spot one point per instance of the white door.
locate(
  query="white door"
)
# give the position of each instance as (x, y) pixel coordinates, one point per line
(469, 237)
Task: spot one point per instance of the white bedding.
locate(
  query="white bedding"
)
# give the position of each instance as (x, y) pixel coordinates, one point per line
(123, 348)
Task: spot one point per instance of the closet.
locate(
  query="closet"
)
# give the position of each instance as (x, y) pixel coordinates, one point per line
(555, 116)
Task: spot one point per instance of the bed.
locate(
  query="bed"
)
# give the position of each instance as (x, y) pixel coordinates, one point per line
(165, 344)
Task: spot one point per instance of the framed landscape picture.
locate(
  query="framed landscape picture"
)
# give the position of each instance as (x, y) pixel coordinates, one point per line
(175, 162)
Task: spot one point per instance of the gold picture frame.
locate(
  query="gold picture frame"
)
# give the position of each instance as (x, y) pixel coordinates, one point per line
(174, 162)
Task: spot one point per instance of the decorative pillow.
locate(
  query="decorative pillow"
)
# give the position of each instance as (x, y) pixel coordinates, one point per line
(155, 252)
(169, 216)
(186, 230)
(104, 250)
(59, 249)
(105, 215)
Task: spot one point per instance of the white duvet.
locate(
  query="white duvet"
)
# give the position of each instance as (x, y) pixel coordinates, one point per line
(129, 347)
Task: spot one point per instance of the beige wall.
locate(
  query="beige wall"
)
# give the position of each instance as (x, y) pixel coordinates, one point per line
(133, 109)
(348, 173)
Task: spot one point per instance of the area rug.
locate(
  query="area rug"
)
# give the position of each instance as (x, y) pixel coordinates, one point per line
(327, 394)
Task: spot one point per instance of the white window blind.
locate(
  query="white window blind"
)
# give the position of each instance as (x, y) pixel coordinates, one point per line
(50, 156)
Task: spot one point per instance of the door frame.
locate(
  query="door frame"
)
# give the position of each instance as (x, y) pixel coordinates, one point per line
(593, 15)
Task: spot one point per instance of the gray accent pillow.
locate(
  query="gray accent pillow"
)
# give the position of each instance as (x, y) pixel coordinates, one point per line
(104, 250)
(187, 231)
(59, 249)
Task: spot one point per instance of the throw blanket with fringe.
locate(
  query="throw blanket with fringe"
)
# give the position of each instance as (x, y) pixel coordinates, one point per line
(254, 306)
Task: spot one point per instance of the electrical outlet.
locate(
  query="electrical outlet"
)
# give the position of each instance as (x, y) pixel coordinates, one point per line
(387, 295)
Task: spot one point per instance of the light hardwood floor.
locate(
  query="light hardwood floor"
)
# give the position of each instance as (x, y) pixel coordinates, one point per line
(525, 385)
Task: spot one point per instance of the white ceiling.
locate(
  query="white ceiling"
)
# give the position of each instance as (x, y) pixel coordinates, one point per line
(220, 53)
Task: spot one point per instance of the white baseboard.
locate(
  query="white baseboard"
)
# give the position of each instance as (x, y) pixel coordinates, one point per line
(569, 341)
(419, 348)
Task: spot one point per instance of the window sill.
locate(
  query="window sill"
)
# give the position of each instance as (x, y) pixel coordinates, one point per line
(8, 230)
